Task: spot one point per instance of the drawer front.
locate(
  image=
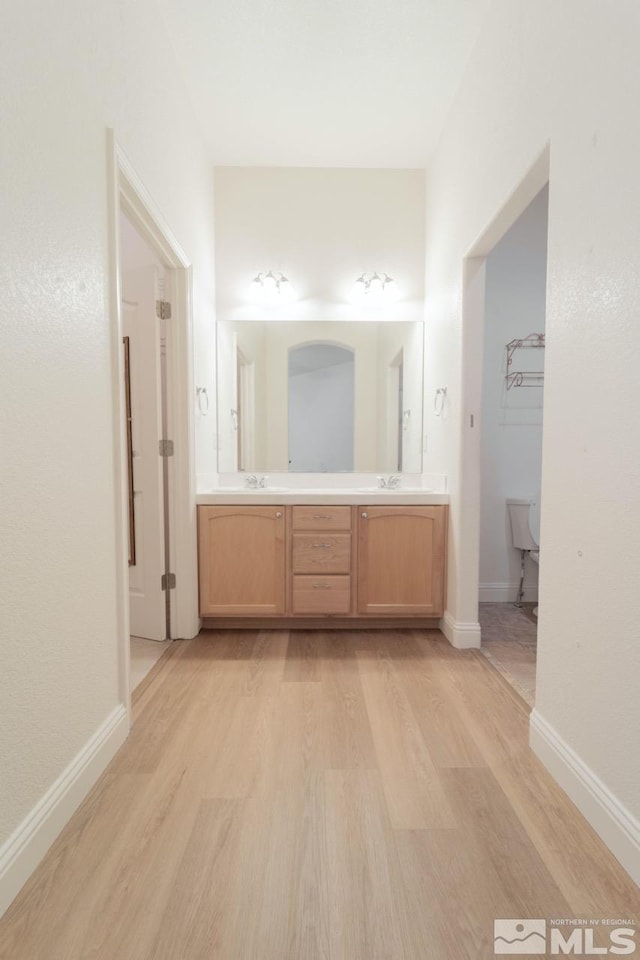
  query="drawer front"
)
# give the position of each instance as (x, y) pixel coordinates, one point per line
(321, 594)
(321, 518)
(321, 553)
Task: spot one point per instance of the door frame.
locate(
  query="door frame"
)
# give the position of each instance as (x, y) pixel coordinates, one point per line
(127, 192)
(473, 319)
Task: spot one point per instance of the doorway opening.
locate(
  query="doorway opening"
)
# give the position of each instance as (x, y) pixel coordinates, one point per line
(465, 629)
(144, 280)
(153, 417)
(511, 445)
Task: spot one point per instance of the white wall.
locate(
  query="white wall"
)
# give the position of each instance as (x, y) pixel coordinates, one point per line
(564, 73)
(515, 295)
(322, 228)
(135, 252)
(67, 73)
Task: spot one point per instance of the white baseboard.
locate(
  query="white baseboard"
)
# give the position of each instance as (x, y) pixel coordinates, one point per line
(27, 845)
(506, 593)
(616, 826)
(460, 635)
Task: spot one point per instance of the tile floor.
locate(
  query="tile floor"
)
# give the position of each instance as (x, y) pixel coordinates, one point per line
(509, 641)
(144, 654)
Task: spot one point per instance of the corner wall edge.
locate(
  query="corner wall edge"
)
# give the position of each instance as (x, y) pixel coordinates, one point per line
(462, 636)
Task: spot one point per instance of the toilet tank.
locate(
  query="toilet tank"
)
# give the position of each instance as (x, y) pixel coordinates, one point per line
(519, 514)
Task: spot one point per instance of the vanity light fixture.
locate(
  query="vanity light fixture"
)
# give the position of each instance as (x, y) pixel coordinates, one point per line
(376, 287)
(271, 287)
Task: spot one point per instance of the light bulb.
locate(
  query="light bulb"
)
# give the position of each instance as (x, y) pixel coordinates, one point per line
(286, 290)
(390, 289)
(375, 287)
(359, 288)
(269, 284)
(256, 288)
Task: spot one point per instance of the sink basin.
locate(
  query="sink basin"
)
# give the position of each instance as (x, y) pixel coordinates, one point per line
(390, 490)
(245, 489)
(319, 491)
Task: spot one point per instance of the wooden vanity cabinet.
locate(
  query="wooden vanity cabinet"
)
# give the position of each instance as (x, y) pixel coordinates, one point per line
(321, 561)
(333, 562)
(242, 561)
(401, 561)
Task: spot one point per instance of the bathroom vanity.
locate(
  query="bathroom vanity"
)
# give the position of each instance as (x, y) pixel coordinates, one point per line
(321, 407)
(321, 560)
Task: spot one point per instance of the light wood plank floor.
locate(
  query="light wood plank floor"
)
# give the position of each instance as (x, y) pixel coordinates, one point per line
(348, 795)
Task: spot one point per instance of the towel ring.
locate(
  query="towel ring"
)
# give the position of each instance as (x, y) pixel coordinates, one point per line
(203, 400)
(438, 400)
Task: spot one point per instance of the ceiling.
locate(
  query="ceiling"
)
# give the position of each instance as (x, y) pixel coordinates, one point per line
(323, 83)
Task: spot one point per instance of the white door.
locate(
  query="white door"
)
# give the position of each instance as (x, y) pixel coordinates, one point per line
(140, 291)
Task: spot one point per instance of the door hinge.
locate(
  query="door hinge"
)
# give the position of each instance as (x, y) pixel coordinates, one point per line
(168, 581)
(163, 309)
(165, 448)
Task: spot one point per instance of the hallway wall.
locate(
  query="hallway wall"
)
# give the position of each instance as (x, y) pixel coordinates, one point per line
(564, 74)
(68, 72)
(322, 228)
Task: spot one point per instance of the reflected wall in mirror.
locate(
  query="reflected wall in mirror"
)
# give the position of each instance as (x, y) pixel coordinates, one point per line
(320, 397)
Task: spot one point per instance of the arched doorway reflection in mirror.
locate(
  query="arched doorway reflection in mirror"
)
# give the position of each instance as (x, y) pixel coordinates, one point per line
(321, 392)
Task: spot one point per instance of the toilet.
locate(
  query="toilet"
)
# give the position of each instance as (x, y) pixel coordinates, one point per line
(522, 538)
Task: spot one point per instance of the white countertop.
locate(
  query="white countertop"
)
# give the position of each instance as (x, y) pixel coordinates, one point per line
(303, 497)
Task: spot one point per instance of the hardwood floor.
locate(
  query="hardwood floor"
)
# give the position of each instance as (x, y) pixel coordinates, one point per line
(316, 796)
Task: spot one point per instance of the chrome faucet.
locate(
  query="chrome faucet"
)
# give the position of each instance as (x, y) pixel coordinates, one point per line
(256, 483)
(392, 482)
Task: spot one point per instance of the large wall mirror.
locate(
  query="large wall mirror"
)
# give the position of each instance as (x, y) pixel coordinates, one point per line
(325, 397)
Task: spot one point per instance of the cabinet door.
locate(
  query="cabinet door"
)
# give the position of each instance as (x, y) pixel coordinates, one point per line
(401, 554)
(242, 561)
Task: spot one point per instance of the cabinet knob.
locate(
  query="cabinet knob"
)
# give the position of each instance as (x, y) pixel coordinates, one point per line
(364, 514)
(278, 514)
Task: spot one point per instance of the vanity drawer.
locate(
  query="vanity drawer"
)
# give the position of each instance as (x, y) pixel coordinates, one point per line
(322, 553)
(321, 518)
(321, 594)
